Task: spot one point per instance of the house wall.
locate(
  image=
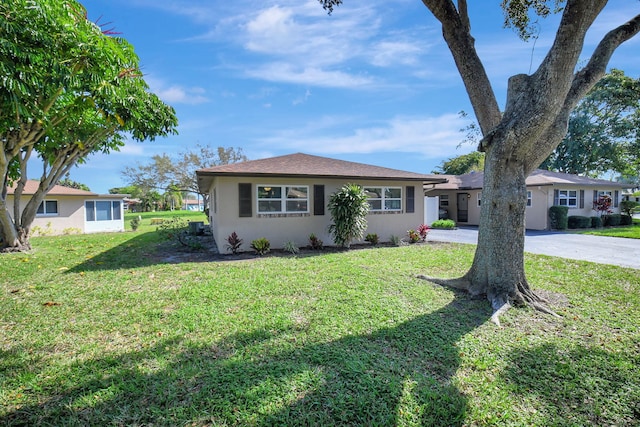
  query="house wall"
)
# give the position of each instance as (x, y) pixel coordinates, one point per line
(70, 218)
(280, 228)
(536, 215)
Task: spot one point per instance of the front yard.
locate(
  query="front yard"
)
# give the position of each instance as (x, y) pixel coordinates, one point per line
(102, 330)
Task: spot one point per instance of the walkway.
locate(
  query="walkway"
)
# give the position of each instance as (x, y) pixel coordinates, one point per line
(603, 250)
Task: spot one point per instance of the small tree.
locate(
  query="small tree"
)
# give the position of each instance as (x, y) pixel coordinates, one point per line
(349, 208)
(602, 205)
(628, 207)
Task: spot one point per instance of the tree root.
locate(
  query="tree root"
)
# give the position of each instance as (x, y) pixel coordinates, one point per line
(500, 302)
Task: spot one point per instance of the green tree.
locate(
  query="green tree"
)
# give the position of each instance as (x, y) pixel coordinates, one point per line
(462, 164)
(349, 208)
(604, 130)
(517, 141)
(68, 182)
(180, 171)
(70, 91)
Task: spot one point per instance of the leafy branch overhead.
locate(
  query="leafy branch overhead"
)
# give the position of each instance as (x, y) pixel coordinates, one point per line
(70, 90)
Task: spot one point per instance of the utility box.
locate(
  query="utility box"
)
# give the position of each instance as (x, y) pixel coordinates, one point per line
(196, 228)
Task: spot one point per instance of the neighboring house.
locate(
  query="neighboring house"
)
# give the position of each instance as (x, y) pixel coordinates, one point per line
(194, 205)
(68, 210)
(461, 196)
(284, 199)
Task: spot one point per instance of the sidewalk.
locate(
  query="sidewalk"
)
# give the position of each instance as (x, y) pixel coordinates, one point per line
(603, 250)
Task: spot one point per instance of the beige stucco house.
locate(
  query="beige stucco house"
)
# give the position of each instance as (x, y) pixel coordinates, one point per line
(68, 210)
(284, 199)
(461, 196)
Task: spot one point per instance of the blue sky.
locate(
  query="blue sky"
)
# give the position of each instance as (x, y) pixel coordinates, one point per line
(373, 83)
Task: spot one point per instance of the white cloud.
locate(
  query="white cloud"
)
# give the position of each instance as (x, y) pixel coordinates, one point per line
(176, 94)
(311, 76)
(431, 137)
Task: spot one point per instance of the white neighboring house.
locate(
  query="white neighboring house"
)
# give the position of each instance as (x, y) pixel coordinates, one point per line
(68, 210)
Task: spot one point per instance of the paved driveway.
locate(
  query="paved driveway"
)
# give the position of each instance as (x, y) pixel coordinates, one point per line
(603, 250)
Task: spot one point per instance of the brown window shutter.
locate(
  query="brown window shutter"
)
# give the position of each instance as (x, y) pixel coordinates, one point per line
(411, 199)
(245, 202)
(318, 199)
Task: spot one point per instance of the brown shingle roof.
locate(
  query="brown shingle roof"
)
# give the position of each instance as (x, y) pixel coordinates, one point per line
(300, 164)
(58, 190)
(474, 180)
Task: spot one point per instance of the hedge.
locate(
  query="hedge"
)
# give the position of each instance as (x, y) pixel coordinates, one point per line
(558, 217)
(577, 221)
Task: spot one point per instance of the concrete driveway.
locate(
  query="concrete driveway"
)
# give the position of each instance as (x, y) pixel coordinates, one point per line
(603, 250)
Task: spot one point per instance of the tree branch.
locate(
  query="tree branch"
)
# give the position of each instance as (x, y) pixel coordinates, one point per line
(457, 33)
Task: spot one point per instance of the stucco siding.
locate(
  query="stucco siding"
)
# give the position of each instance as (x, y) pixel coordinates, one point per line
(281, 228)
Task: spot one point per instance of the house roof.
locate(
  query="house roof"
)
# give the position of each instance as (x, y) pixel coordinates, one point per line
(58, 190)
(474, 180)
(306, 165)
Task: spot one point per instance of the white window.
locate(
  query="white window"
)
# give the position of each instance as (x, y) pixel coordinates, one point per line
(567, 198)
(102, 210)
(283, 199)
(444, 200)
(384, 198)
(529, 196)
(605, 193)
(48, 207)
(479, 198)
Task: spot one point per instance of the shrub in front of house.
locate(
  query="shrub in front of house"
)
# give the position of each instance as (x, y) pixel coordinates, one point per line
(446, 224)
(233, 243)
(596, 222)
(626, 220)
(558, 217)
(315, 243)
(423, 230)
(578, 221)
(611, 220)
(261, 246)
(372, 238)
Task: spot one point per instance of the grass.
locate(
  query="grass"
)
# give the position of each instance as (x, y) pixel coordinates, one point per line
(98, 330)
(629, 232)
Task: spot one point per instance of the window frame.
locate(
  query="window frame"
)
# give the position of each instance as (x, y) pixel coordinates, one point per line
(115, 210)
(568, 198)
(479, 203)
(529, 198)
(443, 200)
(283, 200)
(384, 199)
(45, 211)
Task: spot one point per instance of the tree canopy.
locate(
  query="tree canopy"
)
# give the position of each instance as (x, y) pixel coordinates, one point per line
(462, 164)
(179, 172)
(70, 90)
(604, 130)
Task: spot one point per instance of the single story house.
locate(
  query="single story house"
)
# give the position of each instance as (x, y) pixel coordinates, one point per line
(68, 210)
(461, 196)
(284, 199)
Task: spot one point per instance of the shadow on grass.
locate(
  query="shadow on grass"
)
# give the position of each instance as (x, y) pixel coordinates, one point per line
(578, 385)
(270, 377)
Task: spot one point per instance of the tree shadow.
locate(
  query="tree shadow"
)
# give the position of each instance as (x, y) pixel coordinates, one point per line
(267, 377)
(578, 385)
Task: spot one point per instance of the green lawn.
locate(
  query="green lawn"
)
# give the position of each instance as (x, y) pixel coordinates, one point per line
(629, 232)
(98, 330)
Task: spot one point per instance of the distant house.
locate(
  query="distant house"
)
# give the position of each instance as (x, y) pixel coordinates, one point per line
(68, 210)
(285, 198)
(461, 196)
(196, 205)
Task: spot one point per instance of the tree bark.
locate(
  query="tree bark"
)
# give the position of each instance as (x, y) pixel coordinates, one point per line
(533, 124)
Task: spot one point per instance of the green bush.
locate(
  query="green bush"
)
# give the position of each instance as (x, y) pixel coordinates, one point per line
(372, 238)
(261, 246)
(628, 207)
(626, 220)
(447, 224)
(315, 243)
(558, 217)
(291, 248)
(596, 222)
(135, 222)
(612, 220)
(577, 221)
